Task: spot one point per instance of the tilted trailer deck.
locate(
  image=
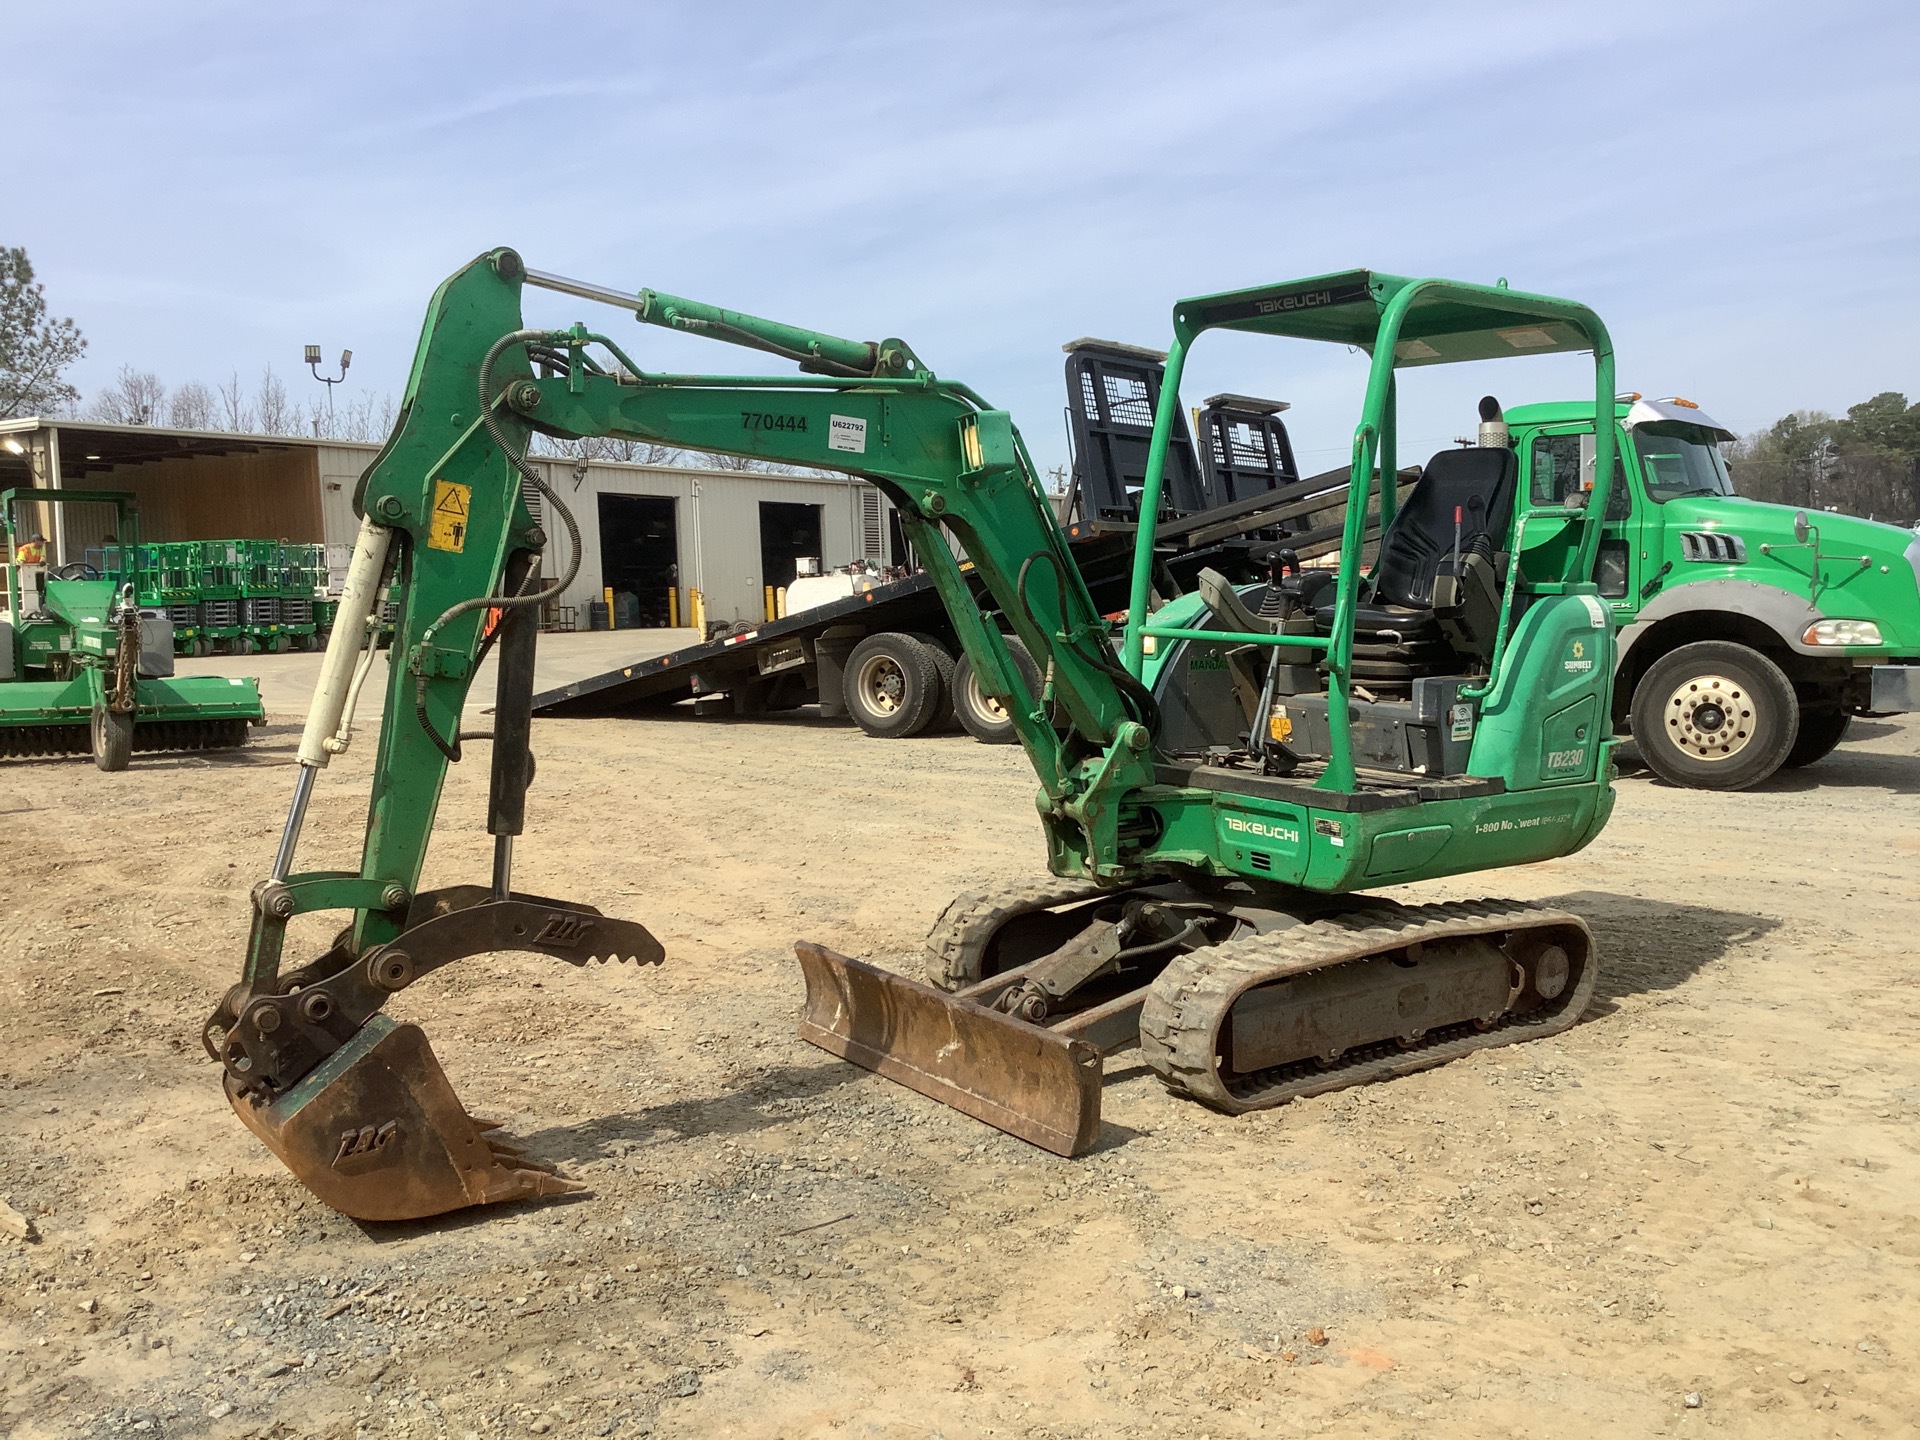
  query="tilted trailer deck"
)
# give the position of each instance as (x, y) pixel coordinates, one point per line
(888, 657)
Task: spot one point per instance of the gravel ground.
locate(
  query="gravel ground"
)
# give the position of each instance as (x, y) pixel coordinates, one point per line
(1692, 1212)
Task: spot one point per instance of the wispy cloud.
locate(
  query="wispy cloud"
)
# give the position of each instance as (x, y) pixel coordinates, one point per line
(1733, 186)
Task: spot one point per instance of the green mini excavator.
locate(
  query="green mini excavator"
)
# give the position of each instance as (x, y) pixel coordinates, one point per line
(1220, 783)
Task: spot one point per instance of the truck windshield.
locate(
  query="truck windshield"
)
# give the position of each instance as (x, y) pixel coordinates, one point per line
(1679, 460)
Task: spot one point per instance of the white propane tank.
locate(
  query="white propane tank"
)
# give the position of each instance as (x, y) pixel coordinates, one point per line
(809, 592)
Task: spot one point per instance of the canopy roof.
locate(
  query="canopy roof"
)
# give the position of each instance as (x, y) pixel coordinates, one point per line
(1447, 321)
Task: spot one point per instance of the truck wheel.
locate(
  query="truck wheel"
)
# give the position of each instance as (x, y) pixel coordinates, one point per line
(892, 686)
(112, 739)
(1714, 716)
(943, 662)
(1820, 731)
(979, 714)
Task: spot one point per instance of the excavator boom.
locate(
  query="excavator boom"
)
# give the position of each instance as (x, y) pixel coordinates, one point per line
(455, 529)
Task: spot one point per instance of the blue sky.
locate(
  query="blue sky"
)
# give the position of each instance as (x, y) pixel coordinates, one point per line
(1736, 188)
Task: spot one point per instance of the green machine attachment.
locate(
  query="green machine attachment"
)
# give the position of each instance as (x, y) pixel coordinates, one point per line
(84, 668)
(1214, 792)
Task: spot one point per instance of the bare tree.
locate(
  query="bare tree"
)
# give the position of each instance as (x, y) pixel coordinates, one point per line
(235, 414)
(732, 462)
(601, 447)
(193, 406)
(136, 397)
(274, 412)
(369, 419)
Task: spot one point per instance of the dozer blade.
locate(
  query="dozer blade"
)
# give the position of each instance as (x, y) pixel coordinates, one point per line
(1020, 1078)
(376, 1131)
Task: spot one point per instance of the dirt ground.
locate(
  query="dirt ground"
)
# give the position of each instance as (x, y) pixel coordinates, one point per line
(1694, 1212)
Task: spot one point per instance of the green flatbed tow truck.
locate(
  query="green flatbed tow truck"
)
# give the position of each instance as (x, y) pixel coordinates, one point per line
(84, 669)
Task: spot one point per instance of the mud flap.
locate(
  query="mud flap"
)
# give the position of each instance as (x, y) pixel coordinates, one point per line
(376, 1131)
(1020, 1078)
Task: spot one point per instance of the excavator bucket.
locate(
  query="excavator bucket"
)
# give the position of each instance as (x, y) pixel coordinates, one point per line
(1020, 1078)
(376, 1131)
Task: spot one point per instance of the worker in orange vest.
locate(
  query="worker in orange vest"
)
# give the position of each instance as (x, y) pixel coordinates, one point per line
(30, 556)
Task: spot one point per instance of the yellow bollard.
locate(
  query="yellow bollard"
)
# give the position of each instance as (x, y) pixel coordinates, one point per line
(673, 607)
(697, 611)
(607, 595)
(766, 606)
(780, 603)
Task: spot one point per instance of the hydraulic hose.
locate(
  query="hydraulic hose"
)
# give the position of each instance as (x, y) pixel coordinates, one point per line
(1134, 695)
(521, 596)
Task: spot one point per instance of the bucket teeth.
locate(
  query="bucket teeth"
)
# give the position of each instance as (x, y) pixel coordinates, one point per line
(514, 1177)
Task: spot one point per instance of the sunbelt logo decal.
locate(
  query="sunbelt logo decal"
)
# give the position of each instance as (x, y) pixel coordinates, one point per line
(1579, 658)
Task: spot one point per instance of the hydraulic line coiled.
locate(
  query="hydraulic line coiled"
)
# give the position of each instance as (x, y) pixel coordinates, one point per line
(522, 596)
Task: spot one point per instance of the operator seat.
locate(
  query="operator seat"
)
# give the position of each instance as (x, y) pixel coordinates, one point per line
(1398, 635)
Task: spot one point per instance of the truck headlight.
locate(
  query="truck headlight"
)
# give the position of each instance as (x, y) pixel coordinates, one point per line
(1841, 632)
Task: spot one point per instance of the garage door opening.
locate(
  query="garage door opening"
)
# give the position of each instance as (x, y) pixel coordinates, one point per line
(787, 533)
(640, 559)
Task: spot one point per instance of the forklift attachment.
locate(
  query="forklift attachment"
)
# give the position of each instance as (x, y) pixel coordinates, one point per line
(1031, 1082)
(376, 1132)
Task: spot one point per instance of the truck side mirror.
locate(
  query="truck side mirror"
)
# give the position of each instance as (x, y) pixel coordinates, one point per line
(1801, 529)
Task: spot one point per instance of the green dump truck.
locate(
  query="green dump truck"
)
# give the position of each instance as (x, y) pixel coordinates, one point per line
(1750, 634)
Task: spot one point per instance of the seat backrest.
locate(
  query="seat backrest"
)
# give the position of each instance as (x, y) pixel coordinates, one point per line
(1478, 482)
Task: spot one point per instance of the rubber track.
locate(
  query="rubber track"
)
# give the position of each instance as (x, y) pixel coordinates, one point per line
(960, 936)
(1187, 1005)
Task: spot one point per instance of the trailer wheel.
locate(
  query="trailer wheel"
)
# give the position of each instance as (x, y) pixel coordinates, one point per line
(1820, 731)
(979, 714)
(892, 686)
(1714, 716)
(112, 739)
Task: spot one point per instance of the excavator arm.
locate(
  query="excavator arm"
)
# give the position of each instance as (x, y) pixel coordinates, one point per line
(456, 527)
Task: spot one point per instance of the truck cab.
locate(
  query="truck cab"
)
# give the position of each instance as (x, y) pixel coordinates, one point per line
(1749, 634)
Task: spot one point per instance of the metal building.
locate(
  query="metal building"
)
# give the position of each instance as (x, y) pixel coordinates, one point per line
(651, 534)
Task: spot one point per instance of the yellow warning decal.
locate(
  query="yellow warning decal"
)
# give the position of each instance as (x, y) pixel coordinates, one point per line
(448, 528)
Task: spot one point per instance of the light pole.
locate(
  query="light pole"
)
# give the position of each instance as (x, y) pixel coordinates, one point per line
(313, 364)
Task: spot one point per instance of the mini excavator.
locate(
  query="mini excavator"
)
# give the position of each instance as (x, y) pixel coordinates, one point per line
(1217, 790)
